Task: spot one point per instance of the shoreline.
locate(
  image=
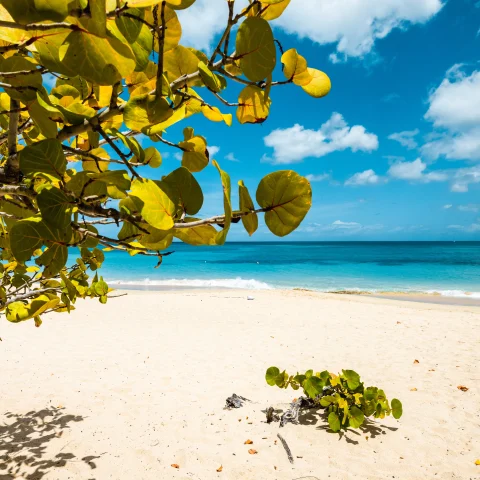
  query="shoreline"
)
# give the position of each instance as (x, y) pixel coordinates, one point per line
(417, 297)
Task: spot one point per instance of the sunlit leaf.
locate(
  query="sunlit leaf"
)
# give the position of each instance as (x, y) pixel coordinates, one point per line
(43, 157)
(255, 48)
(320, 84)
(254, 106)
(250, 221)
(286, 197)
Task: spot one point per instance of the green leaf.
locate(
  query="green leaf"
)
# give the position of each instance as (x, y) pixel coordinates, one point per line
(104, 61)
(153, 158)
(209, 78)
(227, 204)
(181, 61)
(271, 375)
(55, 207)
(250, 222)
(31, 11)
(352, 378)
(397, 409)
(18, 311)
(356, 417)
(287, 197)
(153, 203)
(200, 235)
(313, 386)
(15, 64)
(327, 400)
(43, 157)
(54, 258)
(183, 190)
(334, 422)
(146, 110)
(255, 48)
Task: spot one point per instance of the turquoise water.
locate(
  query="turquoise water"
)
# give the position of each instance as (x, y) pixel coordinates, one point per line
(446, 267)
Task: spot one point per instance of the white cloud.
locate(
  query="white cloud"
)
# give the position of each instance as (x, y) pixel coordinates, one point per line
(446, 207)
(231, 157)
(178, 156)
(415, 171)
(455, 110)
(463, 177)
(318, 178)
(472, 228)
(469, 208)
(202, 22)
(353, 25)
(213, 150)
(347, 228)
(292, 145)
(368, 177)
(406, 138)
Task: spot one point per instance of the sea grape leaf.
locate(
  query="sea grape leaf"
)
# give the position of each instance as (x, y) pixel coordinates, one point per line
(153, 203)
(287, 198)
(18, 311)
(295, 68)
(215, 115)
(271, 375)
(255, 47)
(17, 63)
(45, 156)
(227, 204)
(397, 409)
(31, 11)
(250, 222)
(199, 235)
(210, 80)
(145, 110)
(313, 386)
(273, 9)
(194, 154)
(55, 207)
(334, 422)
(320, 85)
(54, 258)
(355, 417)
(181, 61)
(254, 105)
(352, 378)
(184, 190)
(104, 61)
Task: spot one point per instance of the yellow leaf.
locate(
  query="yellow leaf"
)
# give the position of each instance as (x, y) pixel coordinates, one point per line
(320, 84)
(215, 115)
(254, 106)
(295, 68)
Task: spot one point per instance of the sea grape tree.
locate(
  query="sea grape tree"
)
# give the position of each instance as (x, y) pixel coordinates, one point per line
(344, 397)
(80, 80)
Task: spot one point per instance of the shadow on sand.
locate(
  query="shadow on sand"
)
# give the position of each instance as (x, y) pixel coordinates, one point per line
(24, 440)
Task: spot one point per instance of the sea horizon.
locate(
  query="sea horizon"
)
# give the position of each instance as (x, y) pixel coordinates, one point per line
(446, 268)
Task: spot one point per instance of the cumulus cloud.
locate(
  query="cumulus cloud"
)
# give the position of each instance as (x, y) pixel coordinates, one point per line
(231, 157)
(472, 228)
(318, 178)
(454, 110)
(415, 171)
(368, 177)
(213, 150)
(406, 138)
(294, 144)
(463, 177)
(469, 208)
(353, 25)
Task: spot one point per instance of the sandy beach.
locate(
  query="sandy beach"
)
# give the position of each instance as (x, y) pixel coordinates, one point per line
(126, 390)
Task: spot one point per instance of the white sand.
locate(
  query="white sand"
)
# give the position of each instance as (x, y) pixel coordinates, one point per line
(123, 391)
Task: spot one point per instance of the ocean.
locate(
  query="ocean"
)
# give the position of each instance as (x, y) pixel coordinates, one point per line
(448, 268)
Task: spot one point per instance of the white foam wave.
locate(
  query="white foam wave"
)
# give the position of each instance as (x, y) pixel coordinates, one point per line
(455, 293)
(249, 284)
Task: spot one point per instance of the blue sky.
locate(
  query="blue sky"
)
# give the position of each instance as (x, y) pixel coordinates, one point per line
(393, 150)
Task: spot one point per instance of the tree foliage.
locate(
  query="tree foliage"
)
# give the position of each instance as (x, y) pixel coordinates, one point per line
(345, 398)
(70, 157)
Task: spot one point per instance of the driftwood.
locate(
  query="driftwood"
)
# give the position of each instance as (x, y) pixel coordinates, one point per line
(236, 401)
(286, 447)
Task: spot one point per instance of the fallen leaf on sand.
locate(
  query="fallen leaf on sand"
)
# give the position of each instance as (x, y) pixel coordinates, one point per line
(416, 361)
(220, 468)
(477, 462)
(398, 323)
(413, 389)
(248, 442)
(175, 465)
(252, 451)
(463, 388)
